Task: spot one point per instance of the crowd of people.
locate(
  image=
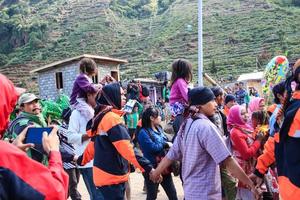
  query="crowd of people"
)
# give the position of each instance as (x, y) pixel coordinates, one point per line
(227, 144)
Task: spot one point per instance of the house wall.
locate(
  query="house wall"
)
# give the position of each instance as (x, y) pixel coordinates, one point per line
(47, 79)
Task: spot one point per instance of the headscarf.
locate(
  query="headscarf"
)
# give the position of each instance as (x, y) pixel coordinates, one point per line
(8, 100)
(109, 99)
(111, 96)
(234, 119)
(254, 104)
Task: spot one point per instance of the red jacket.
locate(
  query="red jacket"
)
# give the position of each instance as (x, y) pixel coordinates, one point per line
(24, 178)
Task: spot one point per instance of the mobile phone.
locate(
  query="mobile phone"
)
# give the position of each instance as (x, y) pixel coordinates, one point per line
(129, 106)
(35, 135)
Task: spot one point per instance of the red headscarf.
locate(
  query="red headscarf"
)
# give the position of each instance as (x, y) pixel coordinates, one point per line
(234, 119)
(8, 100)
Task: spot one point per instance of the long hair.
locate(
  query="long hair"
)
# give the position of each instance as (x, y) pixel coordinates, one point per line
(146, 116)
(181, 68)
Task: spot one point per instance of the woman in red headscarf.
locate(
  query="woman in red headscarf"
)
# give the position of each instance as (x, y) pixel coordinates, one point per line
(244, 146)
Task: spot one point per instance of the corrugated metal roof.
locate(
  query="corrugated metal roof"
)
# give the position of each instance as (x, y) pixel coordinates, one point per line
(251, 76)
(96, 58)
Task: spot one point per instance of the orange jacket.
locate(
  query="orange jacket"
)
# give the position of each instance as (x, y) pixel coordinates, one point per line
(287, 152)
(112, 152)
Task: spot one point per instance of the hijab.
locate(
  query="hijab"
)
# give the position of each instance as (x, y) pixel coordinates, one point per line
(235, 120)
(254, 104)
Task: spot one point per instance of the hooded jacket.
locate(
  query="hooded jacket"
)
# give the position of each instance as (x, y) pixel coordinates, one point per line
(20, 176)
(110, 146)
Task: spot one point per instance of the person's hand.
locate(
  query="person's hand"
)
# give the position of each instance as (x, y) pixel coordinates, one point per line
(20, 139)
(155, 177)
(256, 180)
(260, 136)
(51, 141)
(108, 79)
(257, 192)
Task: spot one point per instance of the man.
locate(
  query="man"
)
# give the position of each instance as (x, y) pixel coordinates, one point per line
(201, 150)
(27, 179)
(30, 115)
(229, 102)
(241, 94)
(220, 119)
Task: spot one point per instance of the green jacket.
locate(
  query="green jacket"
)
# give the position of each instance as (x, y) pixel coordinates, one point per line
(19, 124)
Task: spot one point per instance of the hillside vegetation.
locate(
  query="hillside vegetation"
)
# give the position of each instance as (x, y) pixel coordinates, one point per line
(239, 35)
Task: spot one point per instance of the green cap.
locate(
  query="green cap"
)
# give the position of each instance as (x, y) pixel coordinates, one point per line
(27, 98)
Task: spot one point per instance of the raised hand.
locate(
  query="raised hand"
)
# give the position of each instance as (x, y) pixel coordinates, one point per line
(51, 141)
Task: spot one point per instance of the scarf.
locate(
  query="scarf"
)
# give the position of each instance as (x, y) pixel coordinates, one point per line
(38, 119)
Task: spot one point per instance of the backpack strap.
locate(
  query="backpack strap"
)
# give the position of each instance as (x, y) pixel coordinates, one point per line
(10, 130)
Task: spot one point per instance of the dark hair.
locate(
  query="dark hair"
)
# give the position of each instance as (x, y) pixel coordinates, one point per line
(149, 112)
(288, 87)
(278, 89)
(261, 117)
(217, 91)
(181, 68)
(87, 66)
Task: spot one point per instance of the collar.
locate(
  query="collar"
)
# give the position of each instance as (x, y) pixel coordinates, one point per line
(118, 112)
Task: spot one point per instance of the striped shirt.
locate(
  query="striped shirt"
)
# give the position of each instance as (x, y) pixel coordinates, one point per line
(67, 148)
(201, 149)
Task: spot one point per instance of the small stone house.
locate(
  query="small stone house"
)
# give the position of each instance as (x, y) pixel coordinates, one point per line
(59, 76)
(155, 88)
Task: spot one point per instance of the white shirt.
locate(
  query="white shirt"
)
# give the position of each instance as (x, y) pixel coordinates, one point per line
(77, 127)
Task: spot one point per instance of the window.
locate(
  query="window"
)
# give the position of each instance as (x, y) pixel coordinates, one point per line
(59, 80)
(95, 79)
(115, 75)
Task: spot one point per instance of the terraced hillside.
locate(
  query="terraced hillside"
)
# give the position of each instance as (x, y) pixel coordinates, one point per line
(239, 36)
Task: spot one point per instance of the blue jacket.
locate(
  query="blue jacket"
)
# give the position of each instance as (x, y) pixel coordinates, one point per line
(152, 146)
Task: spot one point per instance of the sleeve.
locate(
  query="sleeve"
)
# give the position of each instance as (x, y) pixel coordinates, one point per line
(210, 139)
(140, 108)
(183, 89)
(295, 126)
(85, 85)
(120, 138)
(175, 151)
(88, 153)
(146, 142)
(73, 130)
(265, 160)
(241, 146)
(29, 179)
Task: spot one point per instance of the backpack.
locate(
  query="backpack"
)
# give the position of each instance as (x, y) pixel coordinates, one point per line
(10, 134)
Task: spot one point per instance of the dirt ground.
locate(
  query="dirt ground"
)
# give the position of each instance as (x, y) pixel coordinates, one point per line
(137, 182)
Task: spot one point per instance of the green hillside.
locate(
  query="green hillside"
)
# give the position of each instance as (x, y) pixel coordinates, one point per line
(239, 35)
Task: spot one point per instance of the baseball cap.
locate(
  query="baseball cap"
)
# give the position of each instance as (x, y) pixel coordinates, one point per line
(26, 98)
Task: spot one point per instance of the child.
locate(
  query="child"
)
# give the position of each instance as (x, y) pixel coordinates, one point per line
(181, 76)
(260, 122)
(84, 83)
(132, 120)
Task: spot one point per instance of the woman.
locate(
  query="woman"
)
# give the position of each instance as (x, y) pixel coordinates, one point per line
(110, 145)
(79, 139)
(153, 144)
(244, 146)
(256, 104)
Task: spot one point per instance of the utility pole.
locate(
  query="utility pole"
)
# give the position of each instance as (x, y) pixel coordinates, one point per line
(200, 45)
